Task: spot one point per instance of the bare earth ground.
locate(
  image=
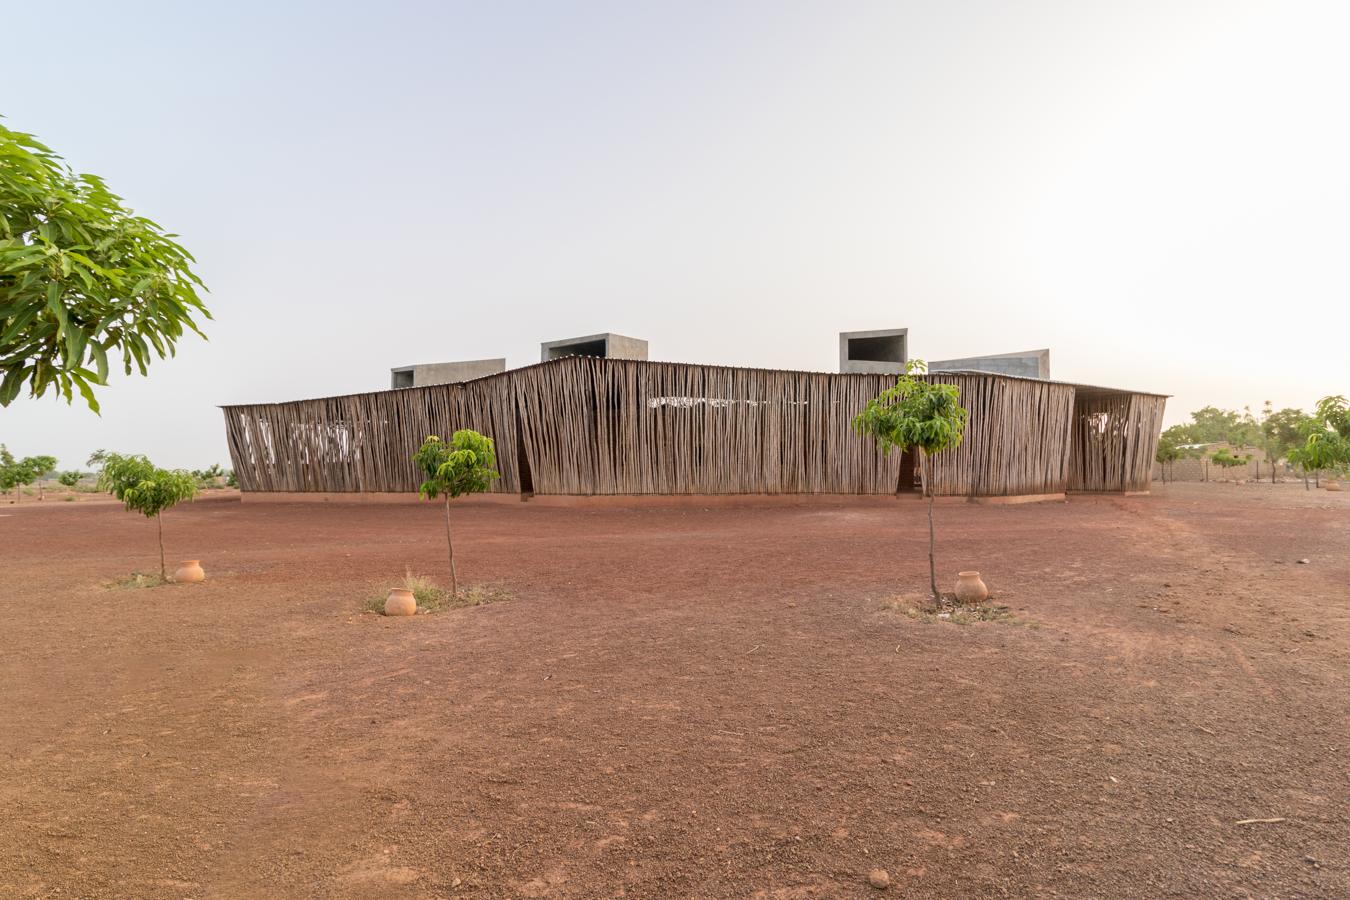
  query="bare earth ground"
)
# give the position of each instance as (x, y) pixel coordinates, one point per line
(681, 702)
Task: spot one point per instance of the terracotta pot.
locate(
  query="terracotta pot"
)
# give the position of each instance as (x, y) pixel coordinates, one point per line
(189, 572)
(400, 603)
(970, 589)
(1332, 485)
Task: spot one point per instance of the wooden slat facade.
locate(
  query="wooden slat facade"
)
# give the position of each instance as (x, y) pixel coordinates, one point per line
(598, 426)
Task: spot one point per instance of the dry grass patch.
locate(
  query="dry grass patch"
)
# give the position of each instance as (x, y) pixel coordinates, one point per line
(929, 611)
(431, 597)
(137, 580)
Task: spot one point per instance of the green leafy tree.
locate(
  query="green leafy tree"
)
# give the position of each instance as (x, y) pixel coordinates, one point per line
(15, 474)
(1211, 425)
(919, 415)
(9, 470)
(1326, 436)
(1280, 433)
(465, 465)
(70, 479)
(144, 488)
(1168, 453)
(38, 468)
(81, 276)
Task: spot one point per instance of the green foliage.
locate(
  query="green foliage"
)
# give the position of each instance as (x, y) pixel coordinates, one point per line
(1228, 460)
(1326, 437)
(1281, 431)
(9, 472)
(465, 465)
(18, 472)
(40, 466)
(1334, 414)
(1168, 451)
(914, 414)
(211, 472)
(230, 479)
(1211, 425)
(81, 276)
(140, 485)
(70, 479)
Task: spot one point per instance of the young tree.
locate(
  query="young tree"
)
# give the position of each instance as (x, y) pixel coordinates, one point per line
(917, 415)
(1168, 453)
(70, 479)
(80, 276)
(465, 465)
(37, 468)
(144, 488)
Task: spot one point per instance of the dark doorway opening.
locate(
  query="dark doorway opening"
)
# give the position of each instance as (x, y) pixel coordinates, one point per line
(908, 481)
(523, 460)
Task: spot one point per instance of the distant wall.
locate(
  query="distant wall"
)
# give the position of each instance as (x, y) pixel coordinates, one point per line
(621, 347)
(1205, 470)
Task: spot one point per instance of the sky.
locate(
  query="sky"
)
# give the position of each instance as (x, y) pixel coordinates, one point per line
(1157, 192)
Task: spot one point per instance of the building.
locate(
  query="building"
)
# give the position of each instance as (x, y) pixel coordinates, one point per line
(595, 424)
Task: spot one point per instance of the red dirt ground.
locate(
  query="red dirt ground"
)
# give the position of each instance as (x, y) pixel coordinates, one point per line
(681, 702)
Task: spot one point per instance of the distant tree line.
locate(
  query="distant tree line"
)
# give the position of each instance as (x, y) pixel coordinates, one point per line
(16, 474)
(1314, 442)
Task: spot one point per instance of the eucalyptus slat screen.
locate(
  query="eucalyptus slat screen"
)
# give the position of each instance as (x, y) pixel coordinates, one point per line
(1115, 438)
(598, 426)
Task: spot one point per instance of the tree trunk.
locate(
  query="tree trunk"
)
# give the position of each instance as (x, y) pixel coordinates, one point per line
(450, 544)
(932, 566)
(163, 569)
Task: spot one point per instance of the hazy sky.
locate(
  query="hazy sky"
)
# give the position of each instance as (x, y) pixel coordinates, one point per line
(1157, 192)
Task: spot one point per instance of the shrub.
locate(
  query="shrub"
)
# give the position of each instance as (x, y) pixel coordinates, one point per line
(144, 488)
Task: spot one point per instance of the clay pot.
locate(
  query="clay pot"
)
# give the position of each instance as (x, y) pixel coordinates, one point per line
(970, 589)
(400, 603)
(1332, 485)
(189, 572)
